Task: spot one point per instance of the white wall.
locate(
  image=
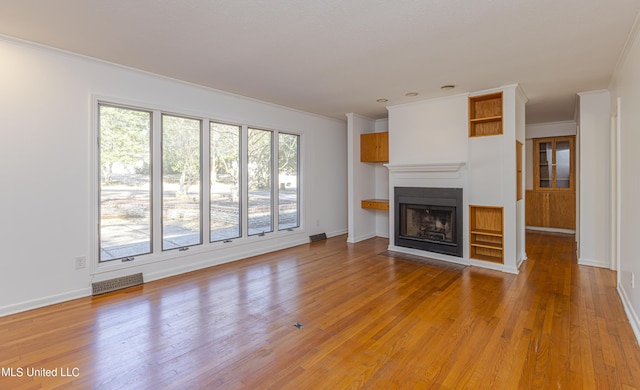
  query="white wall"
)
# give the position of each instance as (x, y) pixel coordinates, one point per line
(430, 132)
(45, 160)
(362, 176)
(436, 131)
(626, 87)
(382, 186)
(551, 129)
(433, 130)
(520, 135)
(593, 182)
(492, 175)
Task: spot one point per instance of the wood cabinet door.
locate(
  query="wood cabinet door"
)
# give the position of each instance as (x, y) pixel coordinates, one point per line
(374, 147)
(367, 147)
(382, 152)
(554, 209)
(562, 209)
(537, 209)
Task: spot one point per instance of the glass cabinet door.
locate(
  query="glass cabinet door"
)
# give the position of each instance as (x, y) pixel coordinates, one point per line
(546, 164)
(553, 163)
(563, 164)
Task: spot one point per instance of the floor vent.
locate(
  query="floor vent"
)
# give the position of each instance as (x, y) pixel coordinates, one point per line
(116, 284)
(318, 237)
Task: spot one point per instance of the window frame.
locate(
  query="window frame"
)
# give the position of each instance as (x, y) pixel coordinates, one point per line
(157, 254)
(272, 183)
(241, 175)
(298, 181)
(200, 185)
(98, 185)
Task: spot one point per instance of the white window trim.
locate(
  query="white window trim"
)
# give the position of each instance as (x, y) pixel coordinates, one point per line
(158, 255)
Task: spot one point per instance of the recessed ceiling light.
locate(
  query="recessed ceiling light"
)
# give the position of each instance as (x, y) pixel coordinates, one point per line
(382, 100)
(446, 87)
(411, 94)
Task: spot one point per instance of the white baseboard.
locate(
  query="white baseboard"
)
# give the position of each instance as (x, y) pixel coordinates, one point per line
(593, 263)
(495, 266)
(521, 259)
(337, 233)
(430, 255)
(631, 314)
(45, 301)
(353, 240)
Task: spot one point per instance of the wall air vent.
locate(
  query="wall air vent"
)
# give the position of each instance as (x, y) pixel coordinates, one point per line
(116, 284)
(318, 237)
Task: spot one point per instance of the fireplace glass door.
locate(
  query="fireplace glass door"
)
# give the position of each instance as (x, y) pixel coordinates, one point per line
(428, 223)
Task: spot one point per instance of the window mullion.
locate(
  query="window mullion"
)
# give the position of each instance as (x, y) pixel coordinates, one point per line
(156, 180)
(205, 181)
(244, 179)
(275, 181)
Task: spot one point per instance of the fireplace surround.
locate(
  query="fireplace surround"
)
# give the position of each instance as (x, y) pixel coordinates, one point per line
(429, 219)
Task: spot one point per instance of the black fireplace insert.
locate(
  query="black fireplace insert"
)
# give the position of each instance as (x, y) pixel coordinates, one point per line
(429, 219)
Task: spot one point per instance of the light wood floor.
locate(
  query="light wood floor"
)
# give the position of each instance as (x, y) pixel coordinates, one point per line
(370, 321)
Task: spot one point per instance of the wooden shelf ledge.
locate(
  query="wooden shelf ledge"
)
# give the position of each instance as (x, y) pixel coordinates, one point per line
(375, 204)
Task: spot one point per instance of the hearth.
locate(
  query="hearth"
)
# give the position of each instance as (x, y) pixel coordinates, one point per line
(429, 219)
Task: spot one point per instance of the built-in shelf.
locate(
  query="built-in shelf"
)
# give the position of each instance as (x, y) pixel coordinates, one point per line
(485, 115)
(486, 233)
(486, 119)
(376, 204)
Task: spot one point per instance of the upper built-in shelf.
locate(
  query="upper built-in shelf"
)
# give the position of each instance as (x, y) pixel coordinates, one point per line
(485, 115)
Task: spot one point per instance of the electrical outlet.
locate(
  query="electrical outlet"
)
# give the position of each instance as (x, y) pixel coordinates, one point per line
(317, 222)
(81, 262)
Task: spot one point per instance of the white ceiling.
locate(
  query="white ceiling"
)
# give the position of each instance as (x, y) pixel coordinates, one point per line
(331, 57)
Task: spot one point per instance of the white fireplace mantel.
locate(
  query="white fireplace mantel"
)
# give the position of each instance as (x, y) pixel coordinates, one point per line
(429, 167)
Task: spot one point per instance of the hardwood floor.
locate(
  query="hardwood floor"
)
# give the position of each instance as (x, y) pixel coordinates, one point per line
(370, 320)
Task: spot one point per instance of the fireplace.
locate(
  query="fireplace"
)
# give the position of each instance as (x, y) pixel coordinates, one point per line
(429, 219)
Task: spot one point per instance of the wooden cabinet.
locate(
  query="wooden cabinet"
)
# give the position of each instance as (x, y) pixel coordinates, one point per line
(552, 202)
(374, 147)
(553, 163)
(486, 229)
(376, 204)
(485, 115)
(556, 209)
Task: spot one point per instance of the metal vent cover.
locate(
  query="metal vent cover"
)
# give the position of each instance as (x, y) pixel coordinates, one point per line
(318, 237)
(116, 284)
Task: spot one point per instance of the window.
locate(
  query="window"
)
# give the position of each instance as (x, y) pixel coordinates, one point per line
(225, 182)
(125, 182)
(288, 216)
(260, 182)
(153, 180)
(181, 205)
